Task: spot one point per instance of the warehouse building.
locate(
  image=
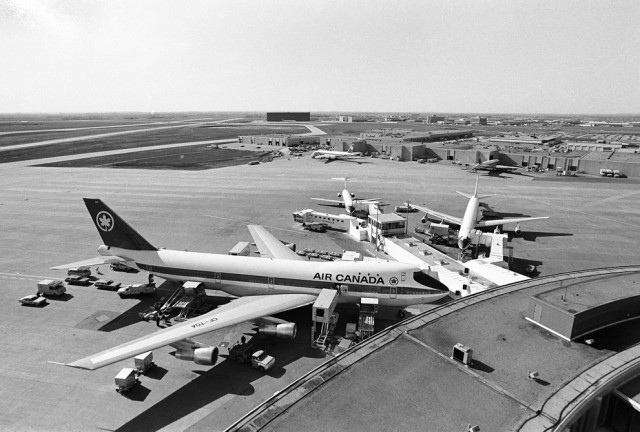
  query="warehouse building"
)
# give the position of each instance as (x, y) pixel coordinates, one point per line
(279, 140)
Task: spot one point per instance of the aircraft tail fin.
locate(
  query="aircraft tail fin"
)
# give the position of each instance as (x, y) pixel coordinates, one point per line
(113, 229)
(475, 192)
(465, 194)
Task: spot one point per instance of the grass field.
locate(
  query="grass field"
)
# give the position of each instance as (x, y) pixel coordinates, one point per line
(191, 158)
(143, 139)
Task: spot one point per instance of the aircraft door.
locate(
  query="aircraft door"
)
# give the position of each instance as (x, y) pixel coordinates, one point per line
(218, 278)
(270, 282)
(393, 292)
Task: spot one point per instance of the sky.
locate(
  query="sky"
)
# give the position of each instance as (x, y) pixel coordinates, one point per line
(480, 56)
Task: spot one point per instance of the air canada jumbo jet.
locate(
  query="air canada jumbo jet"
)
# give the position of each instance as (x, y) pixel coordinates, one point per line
(264, 286)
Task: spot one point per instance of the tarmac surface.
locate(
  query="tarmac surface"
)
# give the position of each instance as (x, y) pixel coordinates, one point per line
(45, 224)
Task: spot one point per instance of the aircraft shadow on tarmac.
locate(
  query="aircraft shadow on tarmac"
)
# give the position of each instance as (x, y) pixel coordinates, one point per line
(359, 162)
(533, 235)
(132, 315)
(228, 377)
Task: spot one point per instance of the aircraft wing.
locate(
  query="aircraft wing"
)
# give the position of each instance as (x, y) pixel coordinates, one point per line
(270, 246)
(90, 262)
(438, 215)
(494, 222)
(329, 200)
(238, 311)
(367, 200)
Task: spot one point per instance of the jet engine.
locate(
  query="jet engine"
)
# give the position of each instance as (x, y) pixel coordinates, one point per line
(353, 195)
(424, 219)
(281, 331)
(339, 195)
(517, 231)
(203, 356)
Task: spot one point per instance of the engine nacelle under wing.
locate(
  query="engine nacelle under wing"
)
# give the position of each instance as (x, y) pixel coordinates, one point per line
(517, 230)
(281, 331)
(203, 356)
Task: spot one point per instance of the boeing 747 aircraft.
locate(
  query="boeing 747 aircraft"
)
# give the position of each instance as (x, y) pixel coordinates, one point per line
(348, 200)
(264, 286)
(472, 218)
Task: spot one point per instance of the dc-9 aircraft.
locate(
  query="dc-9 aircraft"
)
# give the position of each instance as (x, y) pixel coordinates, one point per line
(348, 200)
(281, 282)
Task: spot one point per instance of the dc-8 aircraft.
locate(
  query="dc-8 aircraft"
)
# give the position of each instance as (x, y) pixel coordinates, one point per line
(472, 218)
(331, 155)
(281, 282)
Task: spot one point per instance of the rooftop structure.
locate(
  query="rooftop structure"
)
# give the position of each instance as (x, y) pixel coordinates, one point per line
(519, 377)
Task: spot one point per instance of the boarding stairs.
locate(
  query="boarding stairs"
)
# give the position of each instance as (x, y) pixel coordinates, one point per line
(323, 316)
(366, 318)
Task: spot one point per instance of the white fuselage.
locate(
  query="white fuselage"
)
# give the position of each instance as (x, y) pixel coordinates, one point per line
(348, 201)
(333, 154)
(468, 222)
(392, 283)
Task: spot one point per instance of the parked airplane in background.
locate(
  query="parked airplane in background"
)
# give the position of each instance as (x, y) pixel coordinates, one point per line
(493, 165)
(349, 199)
(331, 155)
(264, 286)
(472, 218)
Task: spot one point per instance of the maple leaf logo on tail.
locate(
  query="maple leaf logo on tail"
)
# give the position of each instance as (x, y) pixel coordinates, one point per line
(105, 221)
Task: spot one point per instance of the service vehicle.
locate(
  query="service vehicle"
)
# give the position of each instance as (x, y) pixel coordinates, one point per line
(405, 209)
(33, 300)
(122, 267)
(52, 287)
(135, 289)
(143, 362)
(262, 361)
(79, 271)
(246, 352)
(126, 379)
(241, 352)
(107, 284)
(78, 280)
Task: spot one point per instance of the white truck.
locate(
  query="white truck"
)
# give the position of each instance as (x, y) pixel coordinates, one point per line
(262, 361)
(136, 289)
(243, 353)
(51, 287)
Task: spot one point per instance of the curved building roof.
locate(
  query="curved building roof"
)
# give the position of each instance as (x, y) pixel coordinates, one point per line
(522, 376)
